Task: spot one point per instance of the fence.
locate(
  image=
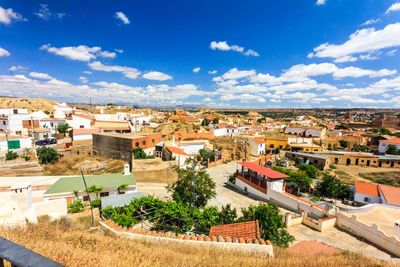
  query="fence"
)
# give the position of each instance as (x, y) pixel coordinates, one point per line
(20, 256)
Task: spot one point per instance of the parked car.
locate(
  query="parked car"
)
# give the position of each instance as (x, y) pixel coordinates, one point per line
(42, 142)
(52, 140)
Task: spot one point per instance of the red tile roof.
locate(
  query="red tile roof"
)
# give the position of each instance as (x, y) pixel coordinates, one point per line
(83, 116)
(262, 170)
(392, 141)
(391, 194)
(245, 230)
(367, 189)
(311, 247)
(258, 140)
(177, 150)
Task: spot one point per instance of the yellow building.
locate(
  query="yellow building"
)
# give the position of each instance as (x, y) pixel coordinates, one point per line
(292, 144)
(271, 142)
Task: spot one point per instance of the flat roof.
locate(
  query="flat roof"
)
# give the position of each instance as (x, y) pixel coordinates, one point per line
(107, 181)
(126, 135)
(263, 170)
(310, 155)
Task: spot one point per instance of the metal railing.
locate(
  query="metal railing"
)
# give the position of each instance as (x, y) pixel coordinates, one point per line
(22, 257)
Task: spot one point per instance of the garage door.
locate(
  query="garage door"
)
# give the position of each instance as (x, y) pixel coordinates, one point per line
(14, 144)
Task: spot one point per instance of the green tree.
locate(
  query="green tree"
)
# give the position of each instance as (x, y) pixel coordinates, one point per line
(76, 206)
(206, 155)
(63, 128)
(310, 170)
(205, 122)
(341, 126)
(192, 188)
(215, 121)
(122, 187)
(329, 146)
(343, 143)
(271, 223)
(47, 155)
(301, 179)
(260, 120)
(331, 187)
(227, 215)
(392, 150)
(138, 153)
(94, 189)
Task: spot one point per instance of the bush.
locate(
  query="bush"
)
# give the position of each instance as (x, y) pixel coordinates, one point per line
(96, 203)
(47, 155)
(10, 155)
(205, 155)
(310, 170)
(138, 153)
(27, 158)
(76, 206)
(331, 187)
(343, 143)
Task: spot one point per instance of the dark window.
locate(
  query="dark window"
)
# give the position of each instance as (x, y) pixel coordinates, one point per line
(143, 143)
(81, 126)
(15, 111)
(85, 198)
(367, 199)
(152, 141)
(4, 122)
(104, 194)
(137, 144)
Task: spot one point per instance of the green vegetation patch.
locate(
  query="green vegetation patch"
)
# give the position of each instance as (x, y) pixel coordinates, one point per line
(388, 178)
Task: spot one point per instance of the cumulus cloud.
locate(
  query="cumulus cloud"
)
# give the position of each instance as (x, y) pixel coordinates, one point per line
(39, 75)
(320, 2)
(212, 71)
(394, 7)
(128, 72)
(83, 79)
(157, 76)
(358, 72)
(121, 16)
(234, 74)
(366, 40)
(4, 53)
(81, 52)
(45, 13)
(15, 68)
(371, 21)
(223, 46)
(8, 15)
(196, 70)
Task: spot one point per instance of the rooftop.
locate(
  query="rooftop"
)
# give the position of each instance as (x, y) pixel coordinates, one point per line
(391, 194)
(176, 150)
(263, 170)
(392, 141)
(311, 247)
(367, 189)
(245, 230)
(107, 181)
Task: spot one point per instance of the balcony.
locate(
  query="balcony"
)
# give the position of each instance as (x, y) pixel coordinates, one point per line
(255, 182)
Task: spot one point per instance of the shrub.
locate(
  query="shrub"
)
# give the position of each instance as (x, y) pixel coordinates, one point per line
(63, 128)
(331, 187)
(76, 206)
(343, 143)
(47, 155)
(96, 202)
(310, 170)
(10, 155)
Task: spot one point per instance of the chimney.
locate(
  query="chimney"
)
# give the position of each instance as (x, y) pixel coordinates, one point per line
(22, 194)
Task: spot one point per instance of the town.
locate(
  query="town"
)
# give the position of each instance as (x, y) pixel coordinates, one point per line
(329, 178)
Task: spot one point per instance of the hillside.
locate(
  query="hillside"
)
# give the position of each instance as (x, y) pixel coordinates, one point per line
(31, 104)
(71, 245)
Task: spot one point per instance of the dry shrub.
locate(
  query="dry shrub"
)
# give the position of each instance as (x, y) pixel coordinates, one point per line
(71, 246)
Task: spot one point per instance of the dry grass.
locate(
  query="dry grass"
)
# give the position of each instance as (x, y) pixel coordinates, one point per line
(71, 166)
(70, 245)
(31, 104)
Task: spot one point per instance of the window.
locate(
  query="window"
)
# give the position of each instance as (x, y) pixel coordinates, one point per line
(4, 123)
(137, 144)
(152, 141)
(18, 133)
(51, 124)
(367, 199)
(271, 145)
(82, 126)
(143, 143)
(104, 194)
(85, 198)
(15, 111)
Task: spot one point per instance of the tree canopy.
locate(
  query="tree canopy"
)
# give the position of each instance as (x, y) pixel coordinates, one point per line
(63, 128)
(47, 155)
(332, 187)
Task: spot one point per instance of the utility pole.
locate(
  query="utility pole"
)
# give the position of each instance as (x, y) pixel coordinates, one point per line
(84, 168)
(8, 148)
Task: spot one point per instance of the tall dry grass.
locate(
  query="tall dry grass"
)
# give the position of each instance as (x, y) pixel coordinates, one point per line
(70, 245)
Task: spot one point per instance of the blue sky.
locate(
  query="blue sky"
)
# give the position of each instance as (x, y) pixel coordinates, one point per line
(247, 54)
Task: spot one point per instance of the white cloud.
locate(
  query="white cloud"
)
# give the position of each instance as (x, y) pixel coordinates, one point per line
(106, 54)
(81, 52)
(391, 52)
(320, 2)
(157, 76)
(371, 21)
(4, 53)
(40, 75)
(15, 68)
(119, 51)
(8, 15)
(121, 16)
(251, 52)
(362, 41)
(394, 7)
(212, 71)
(128, 72)
(358, 72)
(87, 72)
(196, 70)
(234, 74)
(223, 45)
(83, 79)
(345, 59)
(45, 13)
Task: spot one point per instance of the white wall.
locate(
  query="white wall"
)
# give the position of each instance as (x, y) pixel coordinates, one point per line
(54, 208)
(77, 122)
(256, 149)
(220, 132)
(358, 197)
(242, 185)
(24, 143)
(383, 146)
(192, 149)
(85, 136)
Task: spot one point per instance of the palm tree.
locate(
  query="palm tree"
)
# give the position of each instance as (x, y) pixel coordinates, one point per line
(122, 187)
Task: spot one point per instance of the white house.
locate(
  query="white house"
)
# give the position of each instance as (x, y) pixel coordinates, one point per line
(51, 124)
(16, 121)
(369, 194)
(257, 147)
(81, 121)
(84, 134)
(178, 154)
(384, 144)
(192, 148)
(15, 142)
(62, 111)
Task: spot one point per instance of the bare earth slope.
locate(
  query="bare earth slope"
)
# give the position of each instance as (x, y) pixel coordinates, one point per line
(31, 104)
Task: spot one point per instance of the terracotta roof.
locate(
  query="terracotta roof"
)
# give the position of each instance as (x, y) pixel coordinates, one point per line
(367, 189)
(262, 170)
(259, 141)
(83, 116)
(250, 132)
(391, 194)
(245, 230)
(177, 150)
(311, 247)
(393, 141)
(85, 131)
